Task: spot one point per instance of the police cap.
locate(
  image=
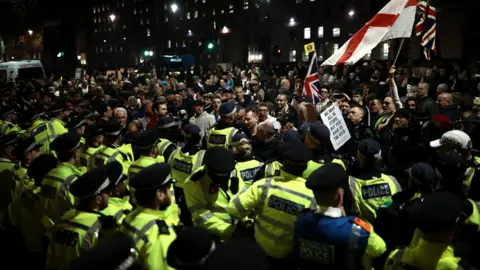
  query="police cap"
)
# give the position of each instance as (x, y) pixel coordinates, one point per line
(286, 118)
(167, 122)
(75, 122)
(329, 176)
(369, 147)
(147, 139)
(191, 130)
(192, 247)
(318, 132)
(93, 130)
(423, 173)
(55, 108)
(66, 143)
(26, 144)
(227, 109)
(296, 153)
(29, 115)
(97, 180)
(219, 160)
(112, 252)
(153, 176)
(9, 139)
(237, 138)
(452, 166)
(438, 210)
(87, 115)
(112, 128)
(238, 255)
(41, 166)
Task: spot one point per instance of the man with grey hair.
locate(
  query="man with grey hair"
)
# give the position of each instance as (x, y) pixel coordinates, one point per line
(442, 88)
(121, 115)
(267, 148)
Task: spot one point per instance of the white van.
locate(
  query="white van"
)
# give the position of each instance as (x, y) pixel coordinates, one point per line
(25, 69)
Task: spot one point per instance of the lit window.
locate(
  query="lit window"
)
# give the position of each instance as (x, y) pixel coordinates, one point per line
(214, 25)
(231, 11)
(183, 44)
(298, 1)
(335, 47)
(222, 11)
(176, 44)
(199, 43)
(94, 11)
(368, 56)
(141, 21)
(123, 4)
(196, 14)
(121, 48)
(165, 7)
(188, 15)
(230, 6)
(385, 50)
(169, 44)
(293, 56)
(166, 19)
(94, 20)
(320, 31)
(146, 9)
(336, 32)
(306, 33)
(148, 32)
(96, 49)
(111, 48)
(134, 11)
(95, 30)
(140, 10)
(245, 4)
(204, 1)
(103, 7)
(101, 49)
(124, 26)
(204, 14)
(305, 57)
(312, 0)
(214, 12)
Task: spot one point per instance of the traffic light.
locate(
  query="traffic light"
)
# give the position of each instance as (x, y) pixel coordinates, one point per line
(60, 54)
(276, 51)
(210, 46)
(146, 53)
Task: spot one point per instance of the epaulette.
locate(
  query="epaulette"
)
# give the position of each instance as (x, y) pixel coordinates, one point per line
(363, 224)
(197, 175)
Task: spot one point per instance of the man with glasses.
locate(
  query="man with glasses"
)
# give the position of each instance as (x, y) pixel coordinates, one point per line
(264, 115)
(324, 101)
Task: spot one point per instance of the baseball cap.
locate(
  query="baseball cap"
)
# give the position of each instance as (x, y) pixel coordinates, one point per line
(456, 138)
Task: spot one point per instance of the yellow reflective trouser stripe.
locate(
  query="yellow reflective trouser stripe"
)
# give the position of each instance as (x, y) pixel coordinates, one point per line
(87, 241)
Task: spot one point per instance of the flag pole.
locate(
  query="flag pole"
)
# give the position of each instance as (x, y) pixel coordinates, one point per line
(398, 51)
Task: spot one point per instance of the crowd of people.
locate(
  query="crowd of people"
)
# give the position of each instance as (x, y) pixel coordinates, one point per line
(235, 170)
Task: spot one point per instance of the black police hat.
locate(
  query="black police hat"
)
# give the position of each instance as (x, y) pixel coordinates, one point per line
(329, 176)
(369, 147)
(423, 172)
(296, 153)
(151, 177)
(112, 128)
(75, 122)
(452, 166)
(27, 144)
(438, 210)
(55, 108)
(87, 115)
(93, 130)
(191, 130)
(97, 180)
(318, 132)
(227, 109)
(41, 166)
(110, 253)
(65, 143)
(167, 122)
(238, 255)
(9, 139)
(219, 160)
(147, 139)
(191, 247)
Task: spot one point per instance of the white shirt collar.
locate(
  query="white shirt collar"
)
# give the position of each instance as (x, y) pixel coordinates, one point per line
(333, 212)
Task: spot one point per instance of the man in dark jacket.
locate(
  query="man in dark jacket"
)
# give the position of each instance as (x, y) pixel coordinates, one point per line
(425, 104)
(448, 107)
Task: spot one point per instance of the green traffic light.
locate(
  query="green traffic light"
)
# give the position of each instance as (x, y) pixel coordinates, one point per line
(145, 53)
(210, 46)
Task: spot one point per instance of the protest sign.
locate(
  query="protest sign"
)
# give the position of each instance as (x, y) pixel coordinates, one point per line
(332, 117)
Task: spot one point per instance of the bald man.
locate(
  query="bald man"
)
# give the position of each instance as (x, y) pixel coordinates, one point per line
(448, 107)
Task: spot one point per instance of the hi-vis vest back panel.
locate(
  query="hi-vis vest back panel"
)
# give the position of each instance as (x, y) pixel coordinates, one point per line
(221, 137)
(248, 170)
(183, 165)
(45, 132)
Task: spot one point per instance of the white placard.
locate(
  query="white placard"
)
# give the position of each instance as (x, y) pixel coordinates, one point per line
(332, 117)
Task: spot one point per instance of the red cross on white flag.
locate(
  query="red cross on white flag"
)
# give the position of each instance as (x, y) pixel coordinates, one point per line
(395, 20)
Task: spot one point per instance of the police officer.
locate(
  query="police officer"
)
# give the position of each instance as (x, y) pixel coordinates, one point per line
(371, 189)
(183, 162)
(222, 133)
(329, 226)
(7, 170)
(43, 131)
(56, 196)
(436, 216)
(246, 166)
(7, 156)
(146, 142)
(8, 117)
(27, 150)
(93, 143)
(30, 211)
(168, 128)
(317, 138)
(57, 116)
(119, 202)
(277, 201)
(208, 192)
(77, 124)
(150, 224)
(79, 229)
(112, 151)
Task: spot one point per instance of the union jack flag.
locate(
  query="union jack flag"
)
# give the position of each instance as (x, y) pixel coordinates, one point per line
(311, 86)
(426, 28)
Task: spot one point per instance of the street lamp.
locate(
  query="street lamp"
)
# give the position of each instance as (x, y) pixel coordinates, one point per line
(225, 30)
(291, 22)
(113, 17)
(351, 13)
(30, 32)
(189, 33)
(79, 57)
(174, 7)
